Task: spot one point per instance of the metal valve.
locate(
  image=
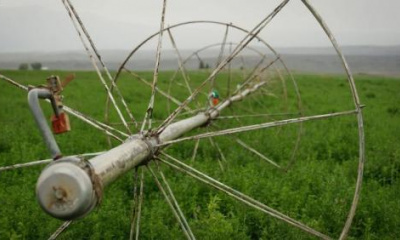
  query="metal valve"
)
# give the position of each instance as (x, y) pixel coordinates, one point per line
(59, 120)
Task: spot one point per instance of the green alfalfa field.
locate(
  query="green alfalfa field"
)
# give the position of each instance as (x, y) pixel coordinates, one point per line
(316, 190)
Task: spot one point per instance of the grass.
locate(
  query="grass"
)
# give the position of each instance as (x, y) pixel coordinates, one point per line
(317, 190)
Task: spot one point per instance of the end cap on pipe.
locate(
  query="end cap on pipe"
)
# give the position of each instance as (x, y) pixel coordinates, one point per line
(65, 191)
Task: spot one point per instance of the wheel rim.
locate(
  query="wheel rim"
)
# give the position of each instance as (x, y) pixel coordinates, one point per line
(357, 111)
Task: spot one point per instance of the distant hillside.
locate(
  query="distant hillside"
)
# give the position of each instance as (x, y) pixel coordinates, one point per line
(347, 50)
(362, 59)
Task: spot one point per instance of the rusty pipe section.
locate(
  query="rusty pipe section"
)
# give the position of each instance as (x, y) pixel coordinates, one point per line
(68, 188)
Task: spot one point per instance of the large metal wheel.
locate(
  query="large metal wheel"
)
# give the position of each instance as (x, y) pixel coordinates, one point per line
(248, 103)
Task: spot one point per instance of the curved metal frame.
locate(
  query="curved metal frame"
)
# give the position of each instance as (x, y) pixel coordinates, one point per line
(358, 107)
(168, 140)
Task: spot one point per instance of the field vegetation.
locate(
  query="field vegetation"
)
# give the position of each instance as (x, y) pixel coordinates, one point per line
(316, 189)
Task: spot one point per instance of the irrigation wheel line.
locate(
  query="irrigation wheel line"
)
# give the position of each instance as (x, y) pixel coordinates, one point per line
(212, 113)
(267, 63)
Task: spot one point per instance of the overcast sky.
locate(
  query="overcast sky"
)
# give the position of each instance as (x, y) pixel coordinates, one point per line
(43, 25)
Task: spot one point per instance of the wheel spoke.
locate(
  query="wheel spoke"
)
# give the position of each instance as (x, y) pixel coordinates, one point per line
(45, 161)
(228, 92)
(284, 89)
(247, 147)
(219, 152)
(169, 197)
(242, 67)
(170, 192)
(237, 117)
(216, 145)
(168, 96)
(220, 57)
(64, 226)
(261, 115)
(80, 27)
(180, 62)
(178, 165)
(14, 83)
(196, 147)
(92, 122)
(198, 57)
(29, 164)
(261, 126)
(96, 124)
(137, 207)
(99, 58)
(253, 75)
(135, 204)
(244, 145)
(149, 112)
(221, 52)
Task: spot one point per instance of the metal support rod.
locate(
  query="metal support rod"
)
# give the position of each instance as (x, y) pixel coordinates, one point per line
(45, 161)
(61, 229)
(33, 100)
(178, 165)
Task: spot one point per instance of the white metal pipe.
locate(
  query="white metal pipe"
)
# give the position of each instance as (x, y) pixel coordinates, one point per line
(69, 199)
(119, 160)
(179, 128)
